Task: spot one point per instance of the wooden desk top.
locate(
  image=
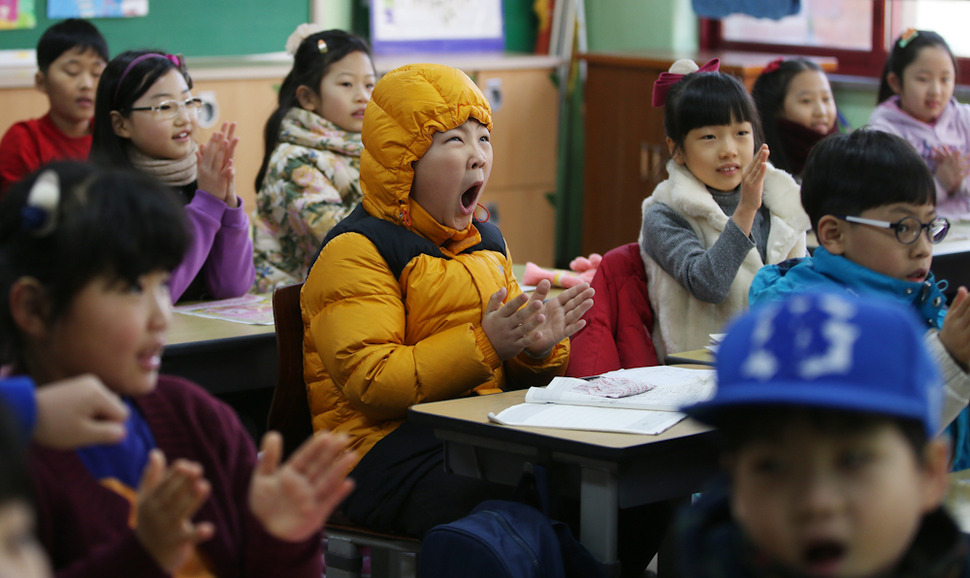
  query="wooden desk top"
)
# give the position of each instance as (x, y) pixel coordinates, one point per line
(470, 415)
(698, 356)
(188, 329)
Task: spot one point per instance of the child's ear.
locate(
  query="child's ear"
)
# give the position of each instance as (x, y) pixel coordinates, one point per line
(120, 125)
(895, 82)
(831, 234)
(936, 462)
(306, 97)
(29, 306)
(675, 152)
(40, 82)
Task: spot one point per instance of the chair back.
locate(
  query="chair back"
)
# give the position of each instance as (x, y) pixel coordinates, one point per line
(289, 412)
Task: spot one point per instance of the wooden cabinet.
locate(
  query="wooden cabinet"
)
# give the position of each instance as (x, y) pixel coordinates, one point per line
(524, 137)
(625, 145)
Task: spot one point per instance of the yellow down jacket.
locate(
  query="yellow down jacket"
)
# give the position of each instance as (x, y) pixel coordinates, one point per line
(393, 304)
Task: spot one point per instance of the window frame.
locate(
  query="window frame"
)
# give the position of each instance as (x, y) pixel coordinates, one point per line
(851, 62)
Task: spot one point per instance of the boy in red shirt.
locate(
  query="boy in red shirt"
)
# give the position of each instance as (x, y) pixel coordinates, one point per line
(70, 57)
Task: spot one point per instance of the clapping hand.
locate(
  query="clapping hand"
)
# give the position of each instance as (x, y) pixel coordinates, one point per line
(217, 173)
(295, 499)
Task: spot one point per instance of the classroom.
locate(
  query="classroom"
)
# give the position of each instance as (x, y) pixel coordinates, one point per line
(585, 165)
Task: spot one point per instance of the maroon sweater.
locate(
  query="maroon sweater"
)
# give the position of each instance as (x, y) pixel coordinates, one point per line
(31, 143)
(84, 525)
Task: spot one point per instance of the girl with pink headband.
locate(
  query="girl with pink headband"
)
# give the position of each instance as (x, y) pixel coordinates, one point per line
(146, 119)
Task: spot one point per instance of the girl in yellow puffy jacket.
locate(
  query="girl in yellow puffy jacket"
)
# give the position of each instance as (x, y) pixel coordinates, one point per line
(411, 300)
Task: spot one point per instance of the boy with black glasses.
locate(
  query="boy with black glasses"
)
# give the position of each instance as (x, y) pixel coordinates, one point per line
(872, 203)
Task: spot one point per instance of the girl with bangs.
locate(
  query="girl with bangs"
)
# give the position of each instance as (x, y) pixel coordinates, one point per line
(723, 212)
(85, 266)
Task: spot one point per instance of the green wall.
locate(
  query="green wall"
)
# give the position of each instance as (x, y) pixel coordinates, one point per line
(190, 27)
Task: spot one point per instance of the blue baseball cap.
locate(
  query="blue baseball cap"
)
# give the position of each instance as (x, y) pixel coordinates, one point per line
(827, 351)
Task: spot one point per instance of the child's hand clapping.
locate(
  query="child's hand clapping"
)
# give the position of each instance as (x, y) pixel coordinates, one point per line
(167, 500)
(752, 185)
(952, 167)
(955, 333)
(563, 316)
(753, 179)
(537, 326)
(217, 174)
(295, 500)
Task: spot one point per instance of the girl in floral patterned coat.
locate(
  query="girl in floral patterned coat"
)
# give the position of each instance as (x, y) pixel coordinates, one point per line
(309, 179)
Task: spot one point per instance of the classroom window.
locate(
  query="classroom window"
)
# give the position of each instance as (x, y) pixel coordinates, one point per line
(857, 32)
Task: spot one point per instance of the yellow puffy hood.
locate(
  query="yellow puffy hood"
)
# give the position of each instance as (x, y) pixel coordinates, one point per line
(408, 105)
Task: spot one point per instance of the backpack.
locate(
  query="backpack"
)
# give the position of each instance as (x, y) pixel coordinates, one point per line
(505, 539)
(498, 539)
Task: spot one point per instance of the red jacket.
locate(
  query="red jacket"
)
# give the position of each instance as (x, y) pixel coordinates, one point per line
(617, 332)
(29, 144)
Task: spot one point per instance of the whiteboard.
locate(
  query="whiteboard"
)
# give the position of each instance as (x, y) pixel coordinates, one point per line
(399, 26)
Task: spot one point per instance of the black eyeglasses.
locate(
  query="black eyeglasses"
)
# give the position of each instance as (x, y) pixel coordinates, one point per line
(908, 229)
(170, 108)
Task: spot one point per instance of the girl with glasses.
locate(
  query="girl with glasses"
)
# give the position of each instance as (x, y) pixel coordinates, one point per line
(146, 119)
(310, 176)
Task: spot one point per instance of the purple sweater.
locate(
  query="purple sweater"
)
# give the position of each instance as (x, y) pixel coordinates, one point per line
(84, 526)
(951, 129)
(221, 249)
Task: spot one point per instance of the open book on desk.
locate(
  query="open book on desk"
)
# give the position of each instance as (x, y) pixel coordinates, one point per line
(644, 400)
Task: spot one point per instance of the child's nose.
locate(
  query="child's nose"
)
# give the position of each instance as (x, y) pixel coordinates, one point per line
(819, 497)
(477, 158)
(161, 309)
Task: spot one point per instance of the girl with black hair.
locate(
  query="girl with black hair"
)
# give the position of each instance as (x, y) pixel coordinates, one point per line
(310, 176)
(723, 212)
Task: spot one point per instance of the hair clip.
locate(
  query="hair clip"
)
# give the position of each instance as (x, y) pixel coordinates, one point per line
(667, 80)
(322, 46)
(772, 66)
(39, 215)
(302, 32)
(907, 36)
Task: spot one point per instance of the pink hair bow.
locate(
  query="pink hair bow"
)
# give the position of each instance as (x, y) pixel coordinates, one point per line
(772, 66)
(667, 80)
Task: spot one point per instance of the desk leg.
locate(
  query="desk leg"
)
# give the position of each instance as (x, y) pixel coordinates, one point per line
(598, 517)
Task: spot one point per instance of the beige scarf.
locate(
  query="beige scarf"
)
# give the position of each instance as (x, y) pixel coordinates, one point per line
(172, 172)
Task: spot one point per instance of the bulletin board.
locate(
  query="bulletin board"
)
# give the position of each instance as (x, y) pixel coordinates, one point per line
(399, 26)
(190, 27)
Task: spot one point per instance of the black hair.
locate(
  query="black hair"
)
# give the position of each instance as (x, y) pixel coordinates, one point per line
(309, 67)
(708, 99)
(15, 481)
(117, 93)
(117, 223)
(742, 426)
(769, 92)
(903, 55)
(68, 35)
(846, 174)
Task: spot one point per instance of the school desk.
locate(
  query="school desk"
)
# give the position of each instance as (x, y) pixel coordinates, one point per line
(951, 258)
(702, 356)
(235, 362)
(607, 471)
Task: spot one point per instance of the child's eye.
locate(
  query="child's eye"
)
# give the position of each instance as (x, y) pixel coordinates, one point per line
(768, 466)
(165, 107)
(744, 132)
(853, 459)
(370, 86)
(484, 138)
(346, 84)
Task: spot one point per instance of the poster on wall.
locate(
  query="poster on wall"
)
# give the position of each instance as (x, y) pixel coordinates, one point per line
(59, 9)
(17, 14)
(399, 26)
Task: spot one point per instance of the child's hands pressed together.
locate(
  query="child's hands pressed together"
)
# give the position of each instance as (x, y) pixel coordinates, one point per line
(955, 333)
(537, 326)
(294, 500)
(753, 179)
(562, 316)
(167, 500)
(752, 186)
(217, 174)
(952, 167)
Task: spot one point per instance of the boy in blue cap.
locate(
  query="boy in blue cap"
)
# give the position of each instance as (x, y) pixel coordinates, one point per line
(829, 407)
